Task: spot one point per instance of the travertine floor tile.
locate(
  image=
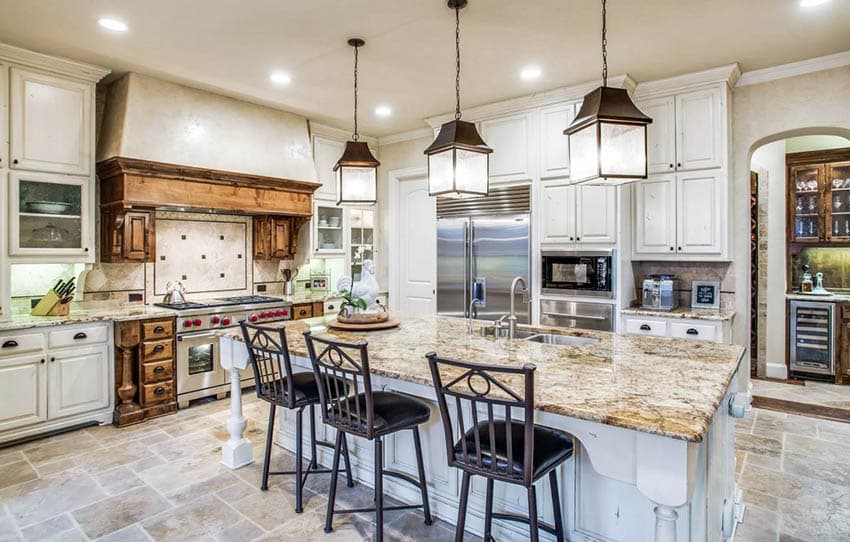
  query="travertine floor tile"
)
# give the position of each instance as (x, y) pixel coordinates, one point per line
(204, 517)
(123, 510)
(36, 501)
(15, 473)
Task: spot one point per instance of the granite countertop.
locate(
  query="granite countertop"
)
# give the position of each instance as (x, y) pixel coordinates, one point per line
(661, 386)
(310, 297)
(685, 313)
(838, 296)
(88, 311)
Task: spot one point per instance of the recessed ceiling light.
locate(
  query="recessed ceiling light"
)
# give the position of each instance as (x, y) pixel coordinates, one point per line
(112, 24)
(280, 78)
(530, 72)
(812, 3)
(383, 111)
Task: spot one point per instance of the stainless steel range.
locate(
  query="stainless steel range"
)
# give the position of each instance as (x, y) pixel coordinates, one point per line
(199, 370)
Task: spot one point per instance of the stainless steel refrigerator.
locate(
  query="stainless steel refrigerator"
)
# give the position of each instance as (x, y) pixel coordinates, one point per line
(482, 244)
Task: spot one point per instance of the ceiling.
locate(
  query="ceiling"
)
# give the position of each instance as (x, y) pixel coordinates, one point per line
(408, 61)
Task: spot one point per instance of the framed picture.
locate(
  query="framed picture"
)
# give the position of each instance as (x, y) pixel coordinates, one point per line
(705, 294)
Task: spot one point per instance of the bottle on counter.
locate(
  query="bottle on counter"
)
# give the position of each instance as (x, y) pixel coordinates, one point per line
(806, 284)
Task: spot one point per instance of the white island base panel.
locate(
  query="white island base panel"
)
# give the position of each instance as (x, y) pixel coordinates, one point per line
(621, 485)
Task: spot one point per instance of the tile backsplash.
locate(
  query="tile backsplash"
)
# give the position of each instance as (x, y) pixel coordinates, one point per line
(833, 262)
(687, 272)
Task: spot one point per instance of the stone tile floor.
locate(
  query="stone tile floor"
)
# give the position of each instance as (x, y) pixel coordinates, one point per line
(820, 393)
(162, 480)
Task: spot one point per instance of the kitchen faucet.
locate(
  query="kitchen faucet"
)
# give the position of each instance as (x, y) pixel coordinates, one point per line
(525, 299)
(475, 301)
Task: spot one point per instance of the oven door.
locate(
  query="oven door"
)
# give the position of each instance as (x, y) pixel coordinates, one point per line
(584, 274)
(198, 362)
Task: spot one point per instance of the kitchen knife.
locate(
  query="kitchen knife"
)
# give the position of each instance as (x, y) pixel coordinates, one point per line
(58, 287)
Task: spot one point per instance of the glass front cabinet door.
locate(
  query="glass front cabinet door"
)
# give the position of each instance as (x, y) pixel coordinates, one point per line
(807, 189)
(362, 240)
(49, 215)
(328, 227)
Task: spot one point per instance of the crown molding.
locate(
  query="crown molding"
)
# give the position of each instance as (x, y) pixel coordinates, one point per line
(540, 99)
(793, 69)
(64, 66)
(728, 74)
(337, 134)
(410, 135)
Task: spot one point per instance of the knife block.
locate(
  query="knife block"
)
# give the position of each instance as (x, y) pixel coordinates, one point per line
(51, 305)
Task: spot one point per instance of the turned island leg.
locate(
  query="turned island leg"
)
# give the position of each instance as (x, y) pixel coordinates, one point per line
(237, 451)
(128, 411)
(665, 523)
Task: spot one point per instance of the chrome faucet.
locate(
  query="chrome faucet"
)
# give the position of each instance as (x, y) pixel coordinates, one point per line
(475, 301)
(512, 315)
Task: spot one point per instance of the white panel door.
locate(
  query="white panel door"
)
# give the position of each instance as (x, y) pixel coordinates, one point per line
(78, 381)
(699, 131)
(698, 208)
(554, 147)
(559, 217)
(51, 123)
(326, 154)
(23, 391)
(655, 216)
(508, 137)
(661, 134)
(4, 115)
(596, 214)
(417, 263)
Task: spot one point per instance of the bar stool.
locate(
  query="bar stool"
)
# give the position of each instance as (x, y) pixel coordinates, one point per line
(516, 452)
(279, 386)
(368, 414)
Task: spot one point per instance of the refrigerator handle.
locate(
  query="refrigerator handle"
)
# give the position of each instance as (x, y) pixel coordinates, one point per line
(466, 265)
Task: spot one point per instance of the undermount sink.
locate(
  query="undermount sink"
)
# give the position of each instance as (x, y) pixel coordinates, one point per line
(502, 332)
(561, 340)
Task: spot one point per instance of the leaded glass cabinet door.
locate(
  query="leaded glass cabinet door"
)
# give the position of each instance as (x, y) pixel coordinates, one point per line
(806, 183)
(362, 240)
(838, 188)
(49, 215)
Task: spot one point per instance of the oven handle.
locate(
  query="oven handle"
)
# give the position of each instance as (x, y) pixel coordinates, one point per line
(198, 336)
(579, 316)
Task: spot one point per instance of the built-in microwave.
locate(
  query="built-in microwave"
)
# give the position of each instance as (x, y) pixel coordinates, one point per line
(582, 273)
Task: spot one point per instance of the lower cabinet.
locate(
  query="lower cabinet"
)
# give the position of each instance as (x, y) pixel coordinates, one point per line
(718, 331)
(51, 379)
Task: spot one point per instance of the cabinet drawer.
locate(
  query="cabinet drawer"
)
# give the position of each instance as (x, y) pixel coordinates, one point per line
(157, 371)
(299, 312)
(12, 343)
(653, 328)
(157, 350)
(157, 330)
(157, 392)
(694, 331)
(78, 336)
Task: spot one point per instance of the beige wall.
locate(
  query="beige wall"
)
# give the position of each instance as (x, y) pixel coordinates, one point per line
(815, 103)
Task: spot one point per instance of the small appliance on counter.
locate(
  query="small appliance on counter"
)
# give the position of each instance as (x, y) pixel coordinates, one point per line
(659, 292)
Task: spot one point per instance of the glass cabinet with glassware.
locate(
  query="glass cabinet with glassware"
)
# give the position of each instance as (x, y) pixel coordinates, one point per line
(49, 214)
(328, 228)
(361, 239)
(819, 197)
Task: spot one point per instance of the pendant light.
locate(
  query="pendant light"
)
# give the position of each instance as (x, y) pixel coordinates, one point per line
(458, 159)
(357, 169)
(607, 139)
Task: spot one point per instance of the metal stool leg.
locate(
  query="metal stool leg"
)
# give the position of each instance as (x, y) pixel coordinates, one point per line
(348, 476)
(379, 490)
(532, 514)
(556, 506)
(314, 454)
(299, 481)
(269, 436)
(461, 510)
(423, 486)
(329, 517)
(488, 512)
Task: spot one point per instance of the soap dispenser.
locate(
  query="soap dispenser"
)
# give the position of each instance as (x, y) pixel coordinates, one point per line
(806, 284)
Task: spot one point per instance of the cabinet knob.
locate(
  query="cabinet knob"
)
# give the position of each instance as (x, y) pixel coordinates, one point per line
(158, 348)
(671, 249)
(159, 391)
(52, 359)
(679, 164)
(159, 329)
(578, 238)
(86, 249)
(42, 360)
(680, 248)
(671, 166)
(15, 161)
(571, 239)
(159, 369)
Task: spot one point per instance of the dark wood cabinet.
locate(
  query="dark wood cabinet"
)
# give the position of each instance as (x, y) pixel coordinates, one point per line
(276, 237)
(819, 197)
(127, 235)
(302, 311)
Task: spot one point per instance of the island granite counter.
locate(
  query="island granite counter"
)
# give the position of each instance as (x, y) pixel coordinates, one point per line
(651, 415)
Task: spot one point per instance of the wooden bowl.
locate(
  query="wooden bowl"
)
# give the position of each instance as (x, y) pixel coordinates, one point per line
(364, 318)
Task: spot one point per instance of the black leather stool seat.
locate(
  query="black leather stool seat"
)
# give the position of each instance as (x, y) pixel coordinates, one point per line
(393, 412)
(551, 447)
(303, 386)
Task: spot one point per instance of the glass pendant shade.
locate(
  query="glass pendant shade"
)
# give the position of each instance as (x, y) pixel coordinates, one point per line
(458, 162)
(357, 175)
(607, 139)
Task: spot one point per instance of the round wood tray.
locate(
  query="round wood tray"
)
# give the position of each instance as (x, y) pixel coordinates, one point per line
(388, 324)
(364, 318)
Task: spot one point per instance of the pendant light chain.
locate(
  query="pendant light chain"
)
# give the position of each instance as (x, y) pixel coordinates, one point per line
(355, 136)
(604, 44)
(457, 56)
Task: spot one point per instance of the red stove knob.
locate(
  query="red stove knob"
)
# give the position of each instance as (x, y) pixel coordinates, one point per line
(216, 319)
(187, 323)
(279, 312)
(263, 314)
(285, 312)
(253, 318)
(197, 322)
(225, 321)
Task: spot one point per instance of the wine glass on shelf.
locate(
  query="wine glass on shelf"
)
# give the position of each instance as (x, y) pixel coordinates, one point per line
(812, 204)
(836, 202)
(847, 227)
(799, 207)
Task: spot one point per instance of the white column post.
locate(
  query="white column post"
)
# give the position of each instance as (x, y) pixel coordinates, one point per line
(237, 451)
(665, 523)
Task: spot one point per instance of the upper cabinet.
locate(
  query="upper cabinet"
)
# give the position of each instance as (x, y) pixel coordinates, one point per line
(509, 139)
(326, 153)
(579, 214)
(554, 145)
(51, 123)
(819, 197)
(660, 134)
(655, 215)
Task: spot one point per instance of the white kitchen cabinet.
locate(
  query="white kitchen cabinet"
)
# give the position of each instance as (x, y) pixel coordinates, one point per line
(51, 123)
(23, 391)
(509, 139)
(596, 214)
(554, 145)
(660, 134)
(655, 215)
(559, 220)
(698, 209)
(329, 227)
(4, 115)
(699, 130)
(718, 331)
(326, 153)
(78, 381)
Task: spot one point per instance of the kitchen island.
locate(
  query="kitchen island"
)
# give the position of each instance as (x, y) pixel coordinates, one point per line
(652, 417)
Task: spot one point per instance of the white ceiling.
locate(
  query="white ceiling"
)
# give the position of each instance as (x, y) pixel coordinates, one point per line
(408, 62)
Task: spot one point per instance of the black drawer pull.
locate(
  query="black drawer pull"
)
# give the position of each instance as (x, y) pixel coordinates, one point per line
(159, 391)
(80, 336)
(159, 329)
(645, 327)
(692, 331)
(159, 369)
(10, 344)
(158, 348)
